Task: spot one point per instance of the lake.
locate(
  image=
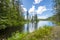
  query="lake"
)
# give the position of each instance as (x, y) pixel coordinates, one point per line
(28, 27)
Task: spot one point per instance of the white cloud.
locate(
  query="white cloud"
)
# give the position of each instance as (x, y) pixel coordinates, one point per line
(23, 8)
(41, 9)
(32, 10)
(42, 17)
(37, 1)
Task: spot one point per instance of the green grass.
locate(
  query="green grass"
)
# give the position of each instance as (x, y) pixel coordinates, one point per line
(58, 23)
(42, 33)
(17, 36)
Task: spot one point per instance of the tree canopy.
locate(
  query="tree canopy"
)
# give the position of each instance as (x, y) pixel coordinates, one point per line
(10, 13)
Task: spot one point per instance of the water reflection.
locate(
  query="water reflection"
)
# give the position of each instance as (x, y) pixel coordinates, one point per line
(30, 27)
(5, 33)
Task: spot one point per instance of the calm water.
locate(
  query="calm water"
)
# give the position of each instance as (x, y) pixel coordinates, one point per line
(30, 27)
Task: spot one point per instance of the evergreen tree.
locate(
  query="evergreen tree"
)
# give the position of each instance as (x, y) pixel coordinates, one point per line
(57, 6)
(10, 13)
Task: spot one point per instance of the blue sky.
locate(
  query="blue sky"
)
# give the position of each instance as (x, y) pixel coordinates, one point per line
(43, 8)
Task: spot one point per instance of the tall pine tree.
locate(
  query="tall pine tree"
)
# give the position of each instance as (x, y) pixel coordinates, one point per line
(10, 13)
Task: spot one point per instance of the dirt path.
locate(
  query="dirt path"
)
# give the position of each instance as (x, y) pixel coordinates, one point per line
(56, 33)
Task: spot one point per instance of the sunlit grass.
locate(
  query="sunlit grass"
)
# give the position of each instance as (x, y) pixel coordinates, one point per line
(41, 34)
(17, 36)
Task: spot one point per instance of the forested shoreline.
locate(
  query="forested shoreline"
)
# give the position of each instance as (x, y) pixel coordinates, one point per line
(56, 16)
(10, 13)
(12, 20)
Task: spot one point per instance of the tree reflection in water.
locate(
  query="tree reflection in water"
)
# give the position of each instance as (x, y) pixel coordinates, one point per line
(5, 33)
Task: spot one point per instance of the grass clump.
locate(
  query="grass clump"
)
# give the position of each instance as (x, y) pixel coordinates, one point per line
(41, 34)
(17, 36)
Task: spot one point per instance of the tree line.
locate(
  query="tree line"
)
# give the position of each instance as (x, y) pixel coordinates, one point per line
(56, 16)
(11, 14)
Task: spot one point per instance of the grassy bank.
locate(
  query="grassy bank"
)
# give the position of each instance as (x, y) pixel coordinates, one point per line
(58, 23)
(41, 34)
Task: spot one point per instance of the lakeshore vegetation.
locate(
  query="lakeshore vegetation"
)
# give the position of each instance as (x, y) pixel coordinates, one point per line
(11, 15)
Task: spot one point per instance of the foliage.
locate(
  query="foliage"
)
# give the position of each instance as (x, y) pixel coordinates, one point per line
(42, 33)
(56, 17)
(10, 13)
(57, 10)
(17, 36)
